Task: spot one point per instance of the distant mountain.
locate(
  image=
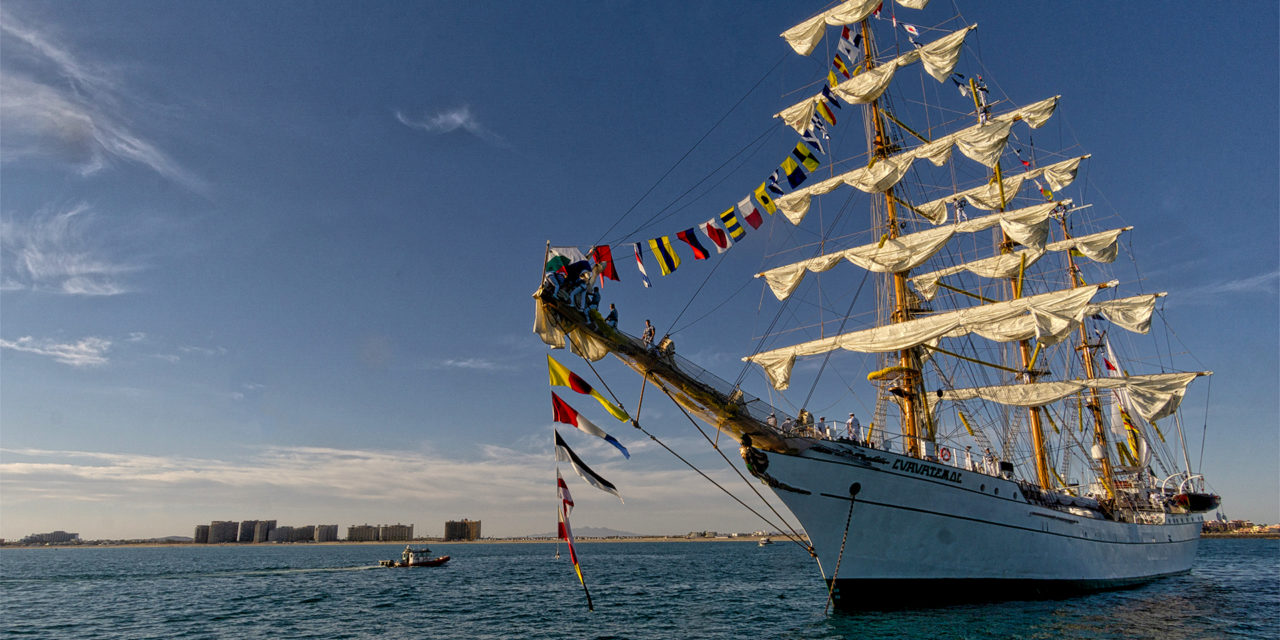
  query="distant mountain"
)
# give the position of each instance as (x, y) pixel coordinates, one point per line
(591, 532)
(172, 539)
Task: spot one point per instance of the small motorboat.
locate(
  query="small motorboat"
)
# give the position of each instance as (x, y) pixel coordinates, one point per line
(764, 541)
(415, 558)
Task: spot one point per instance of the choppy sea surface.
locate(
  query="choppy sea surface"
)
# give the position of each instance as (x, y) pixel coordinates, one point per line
(640, 590)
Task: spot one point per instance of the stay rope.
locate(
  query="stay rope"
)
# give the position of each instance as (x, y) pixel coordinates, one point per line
(793, 536)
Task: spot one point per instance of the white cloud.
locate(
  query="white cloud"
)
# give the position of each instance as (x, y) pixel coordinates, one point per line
(60, 251)
(452, 120)
(53, 105)
(86, 352)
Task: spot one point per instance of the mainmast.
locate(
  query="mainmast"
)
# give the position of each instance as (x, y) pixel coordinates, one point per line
(1025, 354)
(908, 359)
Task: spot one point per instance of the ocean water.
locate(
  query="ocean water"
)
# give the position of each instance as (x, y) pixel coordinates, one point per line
(640, 590)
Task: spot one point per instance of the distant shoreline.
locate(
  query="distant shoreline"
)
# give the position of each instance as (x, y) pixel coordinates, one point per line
(342, 543)
(1266, 535)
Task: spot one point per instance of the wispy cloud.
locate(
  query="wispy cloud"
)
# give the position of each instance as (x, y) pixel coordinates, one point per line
(85, 352)
(1267, 283)
(475, 364)
(60, 251)
(204, 351)
(451, 120)
(55, 105)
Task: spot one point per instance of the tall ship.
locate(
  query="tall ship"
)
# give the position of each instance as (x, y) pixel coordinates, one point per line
(1025, 437)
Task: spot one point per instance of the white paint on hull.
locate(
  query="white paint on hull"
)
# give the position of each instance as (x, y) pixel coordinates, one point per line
(921, 520)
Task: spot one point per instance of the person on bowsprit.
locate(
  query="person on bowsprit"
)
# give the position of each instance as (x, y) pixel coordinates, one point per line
(649, 333)
(612, 318)
(853, 428)
(592, 308)
(555, 280)
(772, 421)
(582, 292)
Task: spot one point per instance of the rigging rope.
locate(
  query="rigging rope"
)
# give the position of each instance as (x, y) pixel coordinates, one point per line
(794, 536)
(686, 154)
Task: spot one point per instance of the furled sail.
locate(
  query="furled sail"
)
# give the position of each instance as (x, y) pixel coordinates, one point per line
(909, 251)
(806, 35)
(938, 58)
(1131, 314)
(987, 196)
(1154, 396)
(1047, 316)
(982, 143)
(1099, 247)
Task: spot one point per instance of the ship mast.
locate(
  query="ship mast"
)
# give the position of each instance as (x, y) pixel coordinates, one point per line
(1090, 371)
(908, 358)
(1025, 354)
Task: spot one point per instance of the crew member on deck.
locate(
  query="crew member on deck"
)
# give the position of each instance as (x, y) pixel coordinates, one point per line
(853, 428)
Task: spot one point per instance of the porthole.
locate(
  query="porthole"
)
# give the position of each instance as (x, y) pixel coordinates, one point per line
(982, 487)
(997, 490)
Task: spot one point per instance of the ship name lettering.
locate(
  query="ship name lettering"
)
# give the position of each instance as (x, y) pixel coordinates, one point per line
(926, 470)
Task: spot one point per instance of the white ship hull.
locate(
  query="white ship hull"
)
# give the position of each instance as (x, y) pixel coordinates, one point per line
(924, 532)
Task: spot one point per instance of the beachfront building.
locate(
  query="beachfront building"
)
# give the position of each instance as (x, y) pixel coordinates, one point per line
(281, 534)
(362, 533)
(262, 531)
(53, 537)
(223, 531)
(246, 530)
(462, 529)
(326, 533)
(202, 534)
(395, 532)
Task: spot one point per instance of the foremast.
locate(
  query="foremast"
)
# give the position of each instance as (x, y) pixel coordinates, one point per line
(909, 358)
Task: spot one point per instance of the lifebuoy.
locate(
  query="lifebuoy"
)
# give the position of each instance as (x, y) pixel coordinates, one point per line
(945, 454)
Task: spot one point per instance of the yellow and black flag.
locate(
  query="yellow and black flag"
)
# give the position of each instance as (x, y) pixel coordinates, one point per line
(762, 195)
(667, 258)
(805, 155)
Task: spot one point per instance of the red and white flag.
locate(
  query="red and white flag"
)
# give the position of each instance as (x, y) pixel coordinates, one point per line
(566, 533)
(716, 234)
(750, 213)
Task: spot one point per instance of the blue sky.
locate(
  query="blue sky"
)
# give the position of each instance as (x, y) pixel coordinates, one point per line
(274, 261)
